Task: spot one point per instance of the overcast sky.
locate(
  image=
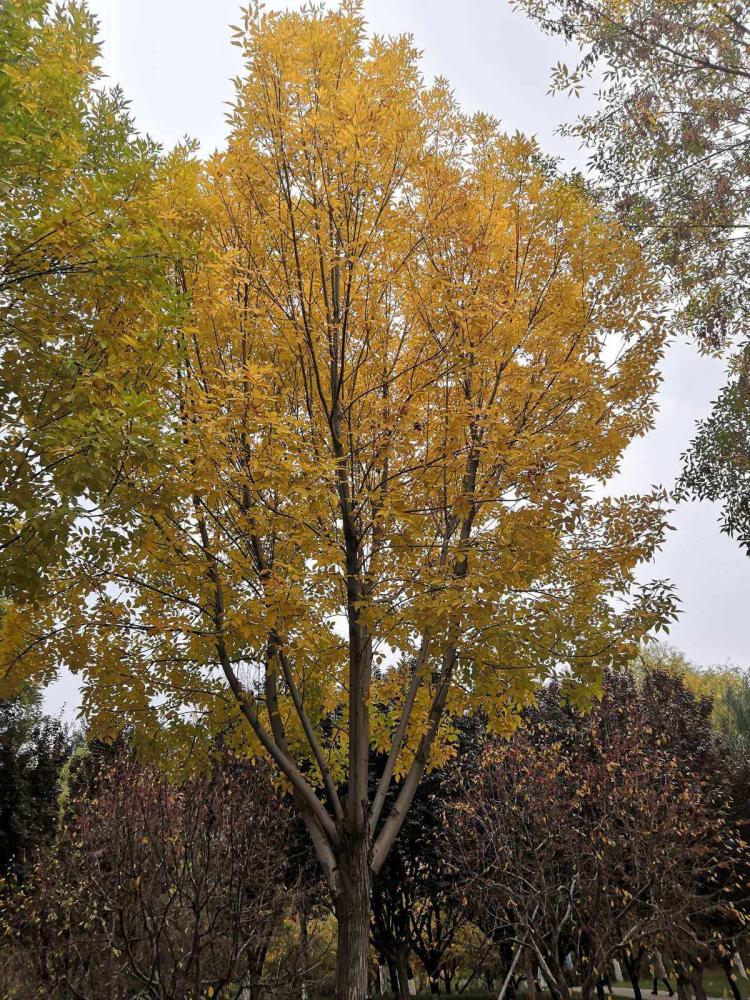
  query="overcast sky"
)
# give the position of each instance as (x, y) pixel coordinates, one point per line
(175, 63)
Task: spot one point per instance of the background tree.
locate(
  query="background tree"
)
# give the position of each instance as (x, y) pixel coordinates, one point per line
(612, 835)
(152, 888)
(84, 294)
(735, 720)
(724, 688)
(392, 901)
(670, 143)
(411, 348)
(33, 751)
(513, 851)
(717, 465)
(416, 911)
(670, 138)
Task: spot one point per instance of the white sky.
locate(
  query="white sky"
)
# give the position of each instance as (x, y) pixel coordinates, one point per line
(174, 62)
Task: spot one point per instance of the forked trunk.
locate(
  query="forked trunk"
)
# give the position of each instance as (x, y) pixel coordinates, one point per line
(353, 916)
(403, 980)
(559, 985)
(683, 993)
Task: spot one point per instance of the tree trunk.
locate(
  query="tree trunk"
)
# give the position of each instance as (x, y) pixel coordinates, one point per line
(635, 982)
(696, 981)
(508, 987)
(683, 984)
(558, 984)
(632, 964)
(402, 968)
(252, 986)
(731, 978)
(528, 960)
(304, 937)
(393, 973)
(353, 917)
(551, 972)
(432, 968)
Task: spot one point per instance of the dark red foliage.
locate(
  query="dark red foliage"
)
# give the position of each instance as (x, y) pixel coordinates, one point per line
(156, 890)
(607, 834)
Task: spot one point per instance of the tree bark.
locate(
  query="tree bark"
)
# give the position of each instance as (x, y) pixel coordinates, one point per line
(432, 968)
(353, 917)
(507, 987)
(304, 937)
(636, 987)
(558, 984)
(696, 981)
(402, 970)
(254, 979)
(632, 964)
(393, 974)
(731, 978)
(528, 960)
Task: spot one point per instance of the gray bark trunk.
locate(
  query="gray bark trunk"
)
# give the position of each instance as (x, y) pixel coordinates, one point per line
(353, 916)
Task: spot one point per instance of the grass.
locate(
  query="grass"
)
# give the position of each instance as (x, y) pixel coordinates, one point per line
(482, 995)
(714, 983)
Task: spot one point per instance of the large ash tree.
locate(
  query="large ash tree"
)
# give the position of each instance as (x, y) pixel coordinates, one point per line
(409, 348)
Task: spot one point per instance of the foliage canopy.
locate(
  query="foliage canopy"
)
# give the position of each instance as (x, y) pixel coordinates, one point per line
(411, 347)
(357, 491)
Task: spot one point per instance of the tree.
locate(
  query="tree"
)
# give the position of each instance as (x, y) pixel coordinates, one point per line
(670, 142)
(411, 347)
(83, 289)
(670, 138)
(735, 717)
(611, 835)
(716, 467)
(393, 897)
(726, 689)
(152, 888)
(33, 751)
(415, 908)
(512, 846)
